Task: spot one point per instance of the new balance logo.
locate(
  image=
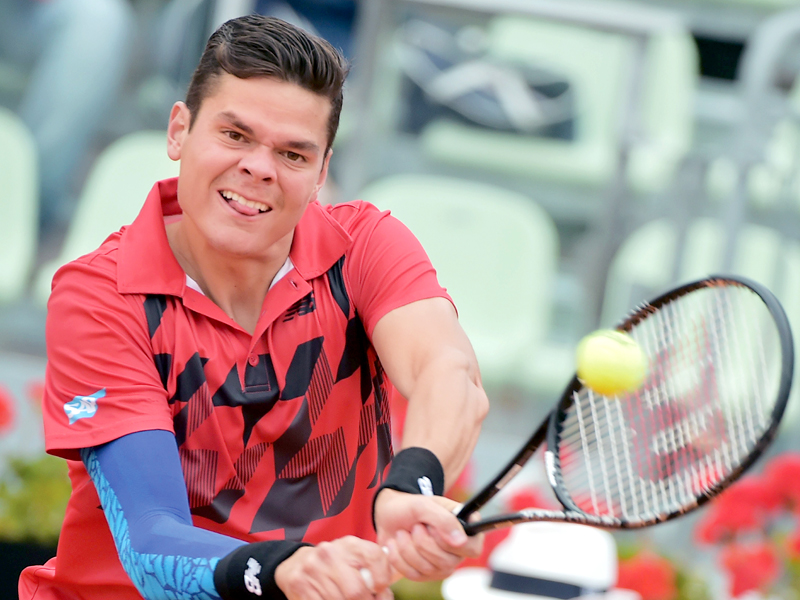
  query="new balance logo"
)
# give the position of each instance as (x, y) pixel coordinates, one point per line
(425, 486)
(302, 307)
(251, 581)
(83, 407)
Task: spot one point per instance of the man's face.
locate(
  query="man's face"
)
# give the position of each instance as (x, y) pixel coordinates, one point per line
(252, 161)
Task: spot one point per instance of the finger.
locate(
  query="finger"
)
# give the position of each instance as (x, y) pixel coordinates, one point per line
(329, 570)
(400, 565)
(386, 594)
(471, 549)
(412, 556)
(372, 562)
(366, 575)
(353, 583)
(436, 513)
(395, 576)
(425, 544)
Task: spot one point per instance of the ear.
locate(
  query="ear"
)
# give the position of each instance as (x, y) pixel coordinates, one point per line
(179, 120)
(323, 175)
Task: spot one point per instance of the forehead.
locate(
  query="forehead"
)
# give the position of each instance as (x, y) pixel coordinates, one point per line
(267, 102)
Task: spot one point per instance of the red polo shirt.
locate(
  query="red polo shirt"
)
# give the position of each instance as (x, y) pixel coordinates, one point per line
(281, 434)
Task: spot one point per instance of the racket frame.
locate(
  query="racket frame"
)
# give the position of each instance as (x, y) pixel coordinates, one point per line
(549, 429)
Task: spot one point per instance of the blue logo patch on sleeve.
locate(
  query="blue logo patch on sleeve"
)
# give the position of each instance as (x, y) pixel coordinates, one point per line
(83, 407)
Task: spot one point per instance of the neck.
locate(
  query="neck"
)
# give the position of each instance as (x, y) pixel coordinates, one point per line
(237, 284)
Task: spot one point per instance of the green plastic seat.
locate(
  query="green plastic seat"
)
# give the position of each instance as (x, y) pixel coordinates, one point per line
(597, 66)
(775, 174)
(496, 252)
(19, 205)
(114, 192)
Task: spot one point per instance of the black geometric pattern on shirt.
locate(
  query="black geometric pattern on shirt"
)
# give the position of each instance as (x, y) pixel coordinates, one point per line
(383, 440)
(154, 307)
(383, 408)
(292, 503)
(366, 425)
(245, 466)
(163, 366)
(327, 457)
(188, 382)
(260, 382)
(320, 386)
(355, 357)
(200, 473)
(383, 420)
(301, 368)
(338, 290)
(219, 509)
(256, 400)
(304, 306)
(261, 378)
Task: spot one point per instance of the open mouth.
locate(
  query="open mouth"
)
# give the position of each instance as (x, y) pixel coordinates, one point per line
(243, 205)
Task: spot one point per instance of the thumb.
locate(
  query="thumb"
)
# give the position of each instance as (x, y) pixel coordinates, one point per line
(442, 523)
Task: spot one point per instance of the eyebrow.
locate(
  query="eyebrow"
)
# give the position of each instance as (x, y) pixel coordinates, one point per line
(302, 145)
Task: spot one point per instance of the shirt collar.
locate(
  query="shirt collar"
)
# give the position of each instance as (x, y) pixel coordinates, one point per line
(148, 266)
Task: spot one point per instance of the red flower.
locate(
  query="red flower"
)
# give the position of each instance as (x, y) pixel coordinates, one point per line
(34, 390)
(750, 567)
(651, 575)
(528, 497)
(6, 409)
(782, 475)
(742, 507)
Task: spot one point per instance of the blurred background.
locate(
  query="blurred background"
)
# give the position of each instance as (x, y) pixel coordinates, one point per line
(561, 161)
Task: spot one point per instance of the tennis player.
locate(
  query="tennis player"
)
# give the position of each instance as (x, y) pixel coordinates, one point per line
(219, 372)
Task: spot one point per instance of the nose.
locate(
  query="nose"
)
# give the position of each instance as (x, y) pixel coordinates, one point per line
(259, 163)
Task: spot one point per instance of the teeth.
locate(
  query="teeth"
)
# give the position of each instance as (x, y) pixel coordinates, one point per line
(233, 196)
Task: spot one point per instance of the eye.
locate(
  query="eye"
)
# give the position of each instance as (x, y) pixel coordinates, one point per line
(293, 156)
(234, 135)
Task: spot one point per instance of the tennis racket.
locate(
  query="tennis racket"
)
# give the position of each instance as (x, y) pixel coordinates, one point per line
(721, 359)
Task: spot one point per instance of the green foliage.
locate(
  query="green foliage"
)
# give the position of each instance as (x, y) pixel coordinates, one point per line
(416, 590)
(691, 586)
(33, 498)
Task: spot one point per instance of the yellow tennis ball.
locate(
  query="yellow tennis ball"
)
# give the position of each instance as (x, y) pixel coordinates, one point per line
(610, 362)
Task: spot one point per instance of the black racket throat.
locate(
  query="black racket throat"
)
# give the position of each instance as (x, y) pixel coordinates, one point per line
(720, 367)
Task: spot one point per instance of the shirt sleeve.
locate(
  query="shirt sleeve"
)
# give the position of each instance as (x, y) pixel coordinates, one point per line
(101, 380)
(141, 488)
(386, 266)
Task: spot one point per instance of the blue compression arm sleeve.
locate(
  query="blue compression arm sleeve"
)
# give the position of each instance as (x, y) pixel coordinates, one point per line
(141, 487)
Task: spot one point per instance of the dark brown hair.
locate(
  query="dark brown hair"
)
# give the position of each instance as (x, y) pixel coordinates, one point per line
(258, 46)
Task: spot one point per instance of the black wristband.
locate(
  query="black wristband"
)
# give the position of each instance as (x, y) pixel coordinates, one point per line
(249, 571)
(414, 471)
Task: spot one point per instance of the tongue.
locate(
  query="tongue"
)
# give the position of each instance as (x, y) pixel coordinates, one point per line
(242, 209)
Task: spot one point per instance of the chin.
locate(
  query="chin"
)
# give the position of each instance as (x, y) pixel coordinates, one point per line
(238, 249)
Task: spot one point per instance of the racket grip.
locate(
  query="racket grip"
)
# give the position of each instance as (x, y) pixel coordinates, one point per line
(458, 512)
(468, 529)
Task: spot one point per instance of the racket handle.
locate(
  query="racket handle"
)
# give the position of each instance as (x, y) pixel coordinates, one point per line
(468, 529)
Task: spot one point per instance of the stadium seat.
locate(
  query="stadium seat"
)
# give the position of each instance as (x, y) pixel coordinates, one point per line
(19, 206)
(497, 254)
(645, 262)
(114, 193)
(597, 65)
(765, 146)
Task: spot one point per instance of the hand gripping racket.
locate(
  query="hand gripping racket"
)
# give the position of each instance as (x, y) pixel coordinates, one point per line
(721, 358)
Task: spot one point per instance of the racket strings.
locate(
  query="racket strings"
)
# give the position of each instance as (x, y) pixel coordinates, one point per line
(706, 403)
